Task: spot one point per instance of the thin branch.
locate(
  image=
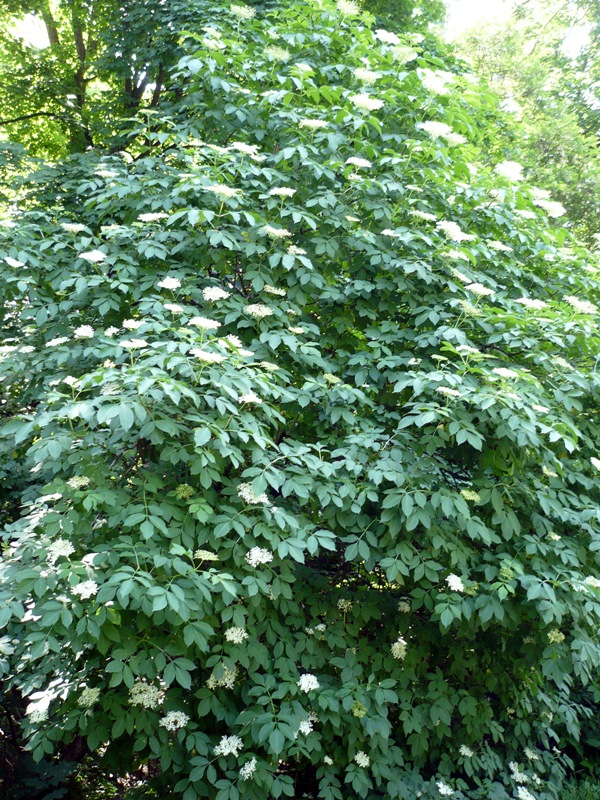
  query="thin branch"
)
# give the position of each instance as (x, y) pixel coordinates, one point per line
(31, 116)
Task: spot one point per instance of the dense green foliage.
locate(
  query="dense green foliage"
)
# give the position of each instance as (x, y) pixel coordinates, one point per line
(304, 403)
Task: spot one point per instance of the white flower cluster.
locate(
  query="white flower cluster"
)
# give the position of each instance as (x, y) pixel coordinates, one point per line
(259, 555)
(250, 397)
(274, 290)
(61, 547)
(583, 306)
(93, 256)
(504, 372)
(248, 495)
(58, 341)
(499, 246)
(313, 124)
(447, 391)
(229, 745)
(453, 232)
(277, 53)
(174, 720)
(399, 649)
(222, 191)
(465, 751)
(344, 605)
(510, 170)
(444, 789)
(387, 37)
(359, 162)
(248, 770)
(243, 12)
(169, 283)
(204, 323)
(347, 7)
(133, 344)
(146, 695)
(593, 582)
(206, 357)
(365, 102)
(72, 227)
(236, 635)
(86, 589)
(84, 332)
(275, 233)
(214, 293)
(307, 683)
(524, 794)
(88, 697)
(480, 290)
(455, 583)
(226, 681)
(77, 481)
(516, 774)
(282, 191)
(205, 555)
(362, 759)
(153, 217)
(435, 81)
(531, 302)
(132, 324)
(366, 75)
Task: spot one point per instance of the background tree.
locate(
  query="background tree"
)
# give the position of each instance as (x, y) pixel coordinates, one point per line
(552, 81)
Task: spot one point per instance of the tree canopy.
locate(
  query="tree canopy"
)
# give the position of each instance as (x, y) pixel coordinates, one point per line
(299, 425)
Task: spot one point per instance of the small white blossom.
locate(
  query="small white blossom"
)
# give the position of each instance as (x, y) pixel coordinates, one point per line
(524, 794)
(447, 391)
(275, 290)
(399, 649)
(465, 751)
(132, 324)
(93, 256)
(250, 397)
(366, 75)
(307, 683)
(226, 681)
(84, 332)
(327, 760)
(510, 170)
(204, 323)
(205, 555)
(403, 607)
(359, 162)
(258, 555)
(453, 232)
(58, 341)
(275, 233)
(444, 789)
(583, 306)
(531, 302)
(455, 583)
(386, 37)
(229, 745)
(111, 331)
(499, 246)
(133, 344)
(208, 358)
(503, 372)
(88, 697)
(236, 635)
(296, 251)
(174, 720)
(248, 770)
(174, 308)
(436, 129)
(404, 54)
(435, 81)
(72, 227)
(347, 7)
(258, 311)
(277, 53)
(71, 381)
(86, 589)
(480, 290)
(169, 283)
(362, 759)
(36, 715)
(282, 191)
(222, 191)
(243, 12)
(365, 102)
(61, 547)
(313, 124)
(146, 695)
(344, 605)
(153, 217)
(248, 495)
